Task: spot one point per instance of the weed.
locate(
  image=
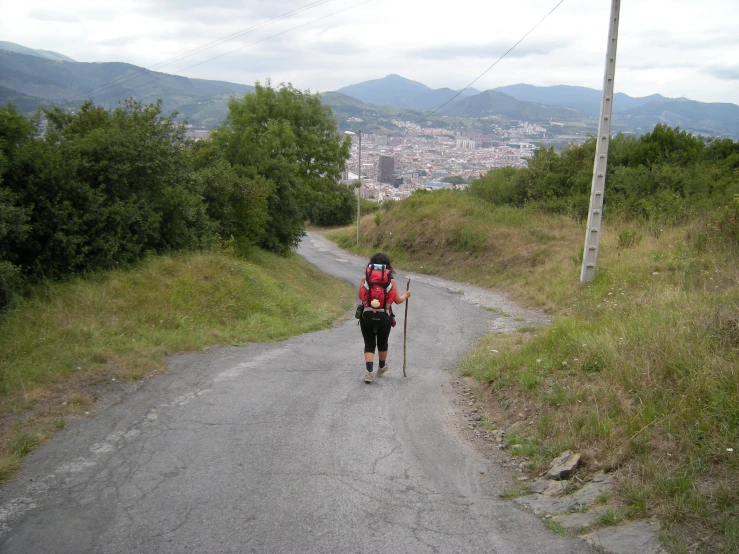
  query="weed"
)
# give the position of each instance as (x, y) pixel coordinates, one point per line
(23, 443)
(522, 489)
(629, 238)
(555, 527)
(608, 517)
(9, 465)
(731, 535)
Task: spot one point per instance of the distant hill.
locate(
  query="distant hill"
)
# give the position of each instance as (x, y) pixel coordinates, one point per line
(400, 92)
(202, 102)
(638, 113)
(23, 102)
(581, 98)
(368, 117)
(48, 54)
(494, 103)
(698, 117)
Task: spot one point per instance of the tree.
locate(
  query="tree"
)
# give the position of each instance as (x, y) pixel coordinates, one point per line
(15, 132)
(236, 205)
(102, 188)
(290, 139)
(455, 180)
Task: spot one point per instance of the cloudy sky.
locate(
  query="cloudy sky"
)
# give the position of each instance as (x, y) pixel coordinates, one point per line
(674, 47)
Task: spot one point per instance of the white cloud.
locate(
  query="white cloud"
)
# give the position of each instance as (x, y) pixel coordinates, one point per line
(672, 47)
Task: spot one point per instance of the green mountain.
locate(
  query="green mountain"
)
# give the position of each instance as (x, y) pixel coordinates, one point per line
(400, 92)
(494, 103)
(203, 103)
(48, 54)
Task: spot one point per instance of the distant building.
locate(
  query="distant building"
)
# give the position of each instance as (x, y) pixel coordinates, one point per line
(387, 169)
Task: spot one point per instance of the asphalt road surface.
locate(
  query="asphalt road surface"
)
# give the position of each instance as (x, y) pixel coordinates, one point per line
(283, 448)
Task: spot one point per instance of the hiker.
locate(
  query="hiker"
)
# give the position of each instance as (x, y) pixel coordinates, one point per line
(378, 291)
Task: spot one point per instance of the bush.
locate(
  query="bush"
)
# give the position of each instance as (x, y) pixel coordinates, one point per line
(629, 238)
(10, 283)
(725, 225)
(664, 177)
(101, 188)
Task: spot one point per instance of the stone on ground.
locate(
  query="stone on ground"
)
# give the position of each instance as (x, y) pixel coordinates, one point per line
(639, 537)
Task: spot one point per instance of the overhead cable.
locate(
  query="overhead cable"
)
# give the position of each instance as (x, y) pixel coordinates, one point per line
(494, 63)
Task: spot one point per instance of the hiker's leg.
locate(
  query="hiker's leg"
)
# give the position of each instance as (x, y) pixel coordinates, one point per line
(383, 334)
(370, 341)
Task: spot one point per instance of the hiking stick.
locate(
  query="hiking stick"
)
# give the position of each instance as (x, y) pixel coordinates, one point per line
(405, 326)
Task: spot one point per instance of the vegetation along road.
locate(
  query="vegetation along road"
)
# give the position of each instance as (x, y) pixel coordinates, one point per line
(283, 448)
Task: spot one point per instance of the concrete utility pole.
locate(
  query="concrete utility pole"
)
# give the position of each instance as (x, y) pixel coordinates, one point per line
(595, 216)
(359, 177)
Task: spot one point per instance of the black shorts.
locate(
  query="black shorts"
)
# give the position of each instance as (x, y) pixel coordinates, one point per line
(375, 336)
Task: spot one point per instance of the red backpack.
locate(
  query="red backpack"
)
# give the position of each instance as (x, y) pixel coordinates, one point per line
(377, 295)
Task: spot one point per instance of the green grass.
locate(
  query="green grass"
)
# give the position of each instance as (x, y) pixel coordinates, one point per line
(639, 370)
(555, 527)
(608, 517)
(520, 489)
(121, 325)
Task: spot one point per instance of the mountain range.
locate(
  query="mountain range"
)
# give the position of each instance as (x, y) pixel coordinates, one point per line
(32, 80)
(546, 103)
(36, 78)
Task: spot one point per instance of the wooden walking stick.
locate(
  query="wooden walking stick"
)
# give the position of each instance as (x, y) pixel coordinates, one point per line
(405, 325)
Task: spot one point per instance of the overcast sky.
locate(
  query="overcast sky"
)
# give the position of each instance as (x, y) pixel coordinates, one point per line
(673, 47)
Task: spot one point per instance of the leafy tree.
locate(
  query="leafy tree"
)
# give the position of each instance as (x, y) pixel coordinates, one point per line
(502, 186)
(455, 180)
(15, 131)
(103, 188)
(336, 207)
(236, 205)
(290, 139)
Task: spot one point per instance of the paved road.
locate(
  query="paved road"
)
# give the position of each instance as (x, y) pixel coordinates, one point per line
(283, 448)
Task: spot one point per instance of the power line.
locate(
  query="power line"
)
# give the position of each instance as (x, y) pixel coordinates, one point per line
(245, 46)
(125, 78)
(494, 63)
(237, 34)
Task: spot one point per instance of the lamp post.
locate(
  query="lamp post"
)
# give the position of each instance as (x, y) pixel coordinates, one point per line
(359, 175)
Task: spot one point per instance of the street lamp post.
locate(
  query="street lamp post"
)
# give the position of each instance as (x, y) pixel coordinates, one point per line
(359, 175)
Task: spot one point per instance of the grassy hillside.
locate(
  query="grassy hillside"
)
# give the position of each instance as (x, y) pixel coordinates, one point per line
(639, 370)
(69, 343)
